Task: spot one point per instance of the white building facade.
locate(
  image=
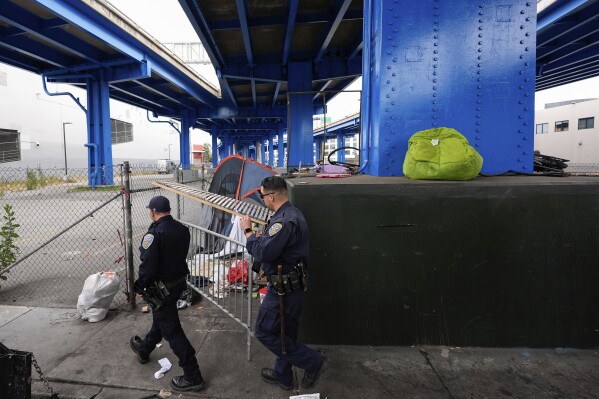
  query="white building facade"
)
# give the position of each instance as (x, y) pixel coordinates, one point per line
(44, 123)
(569, 130)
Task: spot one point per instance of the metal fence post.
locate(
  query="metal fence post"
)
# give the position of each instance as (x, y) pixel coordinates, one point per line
(128, 233)
(179, 180)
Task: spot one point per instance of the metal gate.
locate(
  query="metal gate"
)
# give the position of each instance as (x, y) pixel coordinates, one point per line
(224, 278)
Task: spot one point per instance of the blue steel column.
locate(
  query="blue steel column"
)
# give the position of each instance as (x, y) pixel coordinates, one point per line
(317, 153)
(214, 146)
(281, 148)
(299, 128)
(340, 143)
(263, 151)
(271, 148)
(99, 135)
(187, 121)
(463, 64)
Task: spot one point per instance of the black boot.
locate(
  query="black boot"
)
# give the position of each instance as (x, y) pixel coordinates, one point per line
(270, 376)
(135, 343)
(182, 383)
(310, 379)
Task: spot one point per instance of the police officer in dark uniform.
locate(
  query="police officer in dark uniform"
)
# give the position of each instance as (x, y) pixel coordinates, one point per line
(163, 254)
(284, 243)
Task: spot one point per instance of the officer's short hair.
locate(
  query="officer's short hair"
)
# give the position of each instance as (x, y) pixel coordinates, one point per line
(274, 183)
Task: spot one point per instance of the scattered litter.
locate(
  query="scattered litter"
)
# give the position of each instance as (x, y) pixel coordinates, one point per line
(96, 296)
(444, 352)
(307, 396)
(145, 309)
(164, 394)
(158, 345)
(182, 304)
(333, 175)
(165, 366)
(199, 307)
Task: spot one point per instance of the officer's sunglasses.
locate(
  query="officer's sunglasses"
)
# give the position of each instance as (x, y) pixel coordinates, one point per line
(264, 195)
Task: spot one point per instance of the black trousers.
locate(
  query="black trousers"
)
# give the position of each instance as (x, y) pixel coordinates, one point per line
(166, 324)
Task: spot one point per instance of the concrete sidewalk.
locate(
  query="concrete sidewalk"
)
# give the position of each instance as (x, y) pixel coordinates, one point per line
(93, 360)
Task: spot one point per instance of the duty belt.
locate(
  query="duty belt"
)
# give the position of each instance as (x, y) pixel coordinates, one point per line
(292, 281)
(171, 284)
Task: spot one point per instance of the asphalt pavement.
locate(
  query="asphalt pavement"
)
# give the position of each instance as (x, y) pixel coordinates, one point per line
(93, 360)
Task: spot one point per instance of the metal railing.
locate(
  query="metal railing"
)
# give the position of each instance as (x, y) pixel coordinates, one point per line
(224, 278)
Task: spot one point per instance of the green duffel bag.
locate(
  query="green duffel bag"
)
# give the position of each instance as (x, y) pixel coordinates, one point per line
(441, 154)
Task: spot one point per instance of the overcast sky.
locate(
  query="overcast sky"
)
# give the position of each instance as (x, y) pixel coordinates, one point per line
(166, 21)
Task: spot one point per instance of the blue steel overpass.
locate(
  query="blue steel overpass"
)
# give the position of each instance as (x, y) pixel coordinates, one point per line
(473, 66)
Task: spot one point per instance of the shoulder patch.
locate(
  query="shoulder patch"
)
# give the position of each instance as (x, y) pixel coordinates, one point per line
(147, 241)
(274, 229)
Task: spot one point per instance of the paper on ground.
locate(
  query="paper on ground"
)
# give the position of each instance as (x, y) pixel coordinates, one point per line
(165, 366)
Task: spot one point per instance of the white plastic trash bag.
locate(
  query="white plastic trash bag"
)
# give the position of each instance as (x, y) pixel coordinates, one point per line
(96, 296)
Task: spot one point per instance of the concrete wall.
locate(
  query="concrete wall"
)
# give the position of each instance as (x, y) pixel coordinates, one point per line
(579, 146)
(501, 261)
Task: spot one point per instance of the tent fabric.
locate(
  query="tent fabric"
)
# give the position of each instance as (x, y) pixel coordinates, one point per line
(235, 177)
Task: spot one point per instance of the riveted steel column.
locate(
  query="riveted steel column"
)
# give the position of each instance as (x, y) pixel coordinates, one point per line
(281, 147)
(340, 143)
(271, 148)
(317, 153)
(214, 146)
(463, 64)
(187, 121)
(263, 150)
(99, 134)
(300, 127)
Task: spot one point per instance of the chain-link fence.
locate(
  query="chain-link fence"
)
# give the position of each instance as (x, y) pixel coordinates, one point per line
(583, 169)
(67, 230)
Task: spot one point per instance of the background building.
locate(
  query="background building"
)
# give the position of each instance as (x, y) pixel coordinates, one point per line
(568, 130)
(35, 126)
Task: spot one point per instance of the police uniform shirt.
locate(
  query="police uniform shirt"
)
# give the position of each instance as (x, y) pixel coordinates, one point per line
(163, 252)
(285, 240)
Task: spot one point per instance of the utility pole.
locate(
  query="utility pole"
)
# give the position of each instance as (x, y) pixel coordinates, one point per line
(64, 140)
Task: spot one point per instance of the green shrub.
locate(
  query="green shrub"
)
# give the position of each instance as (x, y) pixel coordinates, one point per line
(8, 250)
(43, 182)
(31, 182)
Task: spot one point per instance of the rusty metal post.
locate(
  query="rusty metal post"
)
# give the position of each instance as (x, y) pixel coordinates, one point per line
(128, 233)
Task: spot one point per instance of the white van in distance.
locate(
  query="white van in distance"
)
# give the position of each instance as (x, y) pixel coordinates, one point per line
(166, 166)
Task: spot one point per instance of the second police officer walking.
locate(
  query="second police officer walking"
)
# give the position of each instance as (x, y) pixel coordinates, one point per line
(283, 251)
(163, 254)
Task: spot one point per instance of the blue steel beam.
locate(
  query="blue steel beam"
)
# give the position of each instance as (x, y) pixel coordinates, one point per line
(247, 39)
(567, 46)
(79, 14)
(19, 61)
(331, 27)
(322, 88)
(226, 88)
(31, 48)
(261, 111)
(357, 46)
(577, 51)
(197, 20)
(253, 85)
(41, 29)
(566, 28)
(274, 97)
(556, 11)
(129, 95)
(303, 18)
(292, 10)
(334, 68)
